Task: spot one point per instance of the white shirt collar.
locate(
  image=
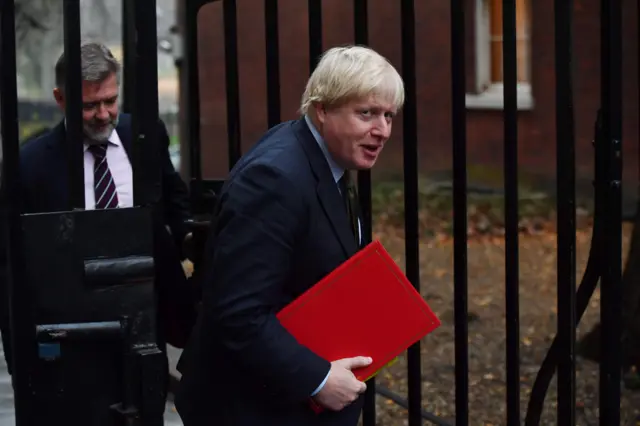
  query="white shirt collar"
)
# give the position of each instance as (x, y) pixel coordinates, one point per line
(114, 139)
(336, 170)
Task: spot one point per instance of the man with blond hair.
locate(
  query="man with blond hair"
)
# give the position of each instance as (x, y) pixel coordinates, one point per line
(284, 221)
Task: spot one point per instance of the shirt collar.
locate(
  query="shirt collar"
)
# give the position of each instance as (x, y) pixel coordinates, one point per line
(336, 170)
(113, 139)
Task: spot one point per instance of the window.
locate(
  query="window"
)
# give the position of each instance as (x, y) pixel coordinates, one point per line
(489, 54)
(522, 41)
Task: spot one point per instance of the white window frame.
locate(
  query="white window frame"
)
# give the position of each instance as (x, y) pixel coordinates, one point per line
(490, 95)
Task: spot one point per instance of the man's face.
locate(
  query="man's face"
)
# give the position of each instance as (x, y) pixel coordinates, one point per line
(99, 107)
(356, 132)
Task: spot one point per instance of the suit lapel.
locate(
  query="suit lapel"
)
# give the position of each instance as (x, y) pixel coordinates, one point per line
(327, 189)
(332, 205)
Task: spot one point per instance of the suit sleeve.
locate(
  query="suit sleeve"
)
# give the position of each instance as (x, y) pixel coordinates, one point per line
(175, 194)
(261, 217)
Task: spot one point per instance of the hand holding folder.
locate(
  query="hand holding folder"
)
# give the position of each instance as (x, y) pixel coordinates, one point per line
(365, 307)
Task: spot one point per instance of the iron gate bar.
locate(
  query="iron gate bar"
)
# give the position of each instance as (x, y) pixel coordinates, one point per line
(583, 295)
(411, 191)
(232, 80)
(128, 392)
(73, 103)
(20, 319)
(361, 37)
(315, 32)
(510, 78)
(273, 62)
(128, 54)
(192, 106)
(611, 292)
(459, 145)
(202, 192)
(146, 152)
(402, 402)
(566, 216)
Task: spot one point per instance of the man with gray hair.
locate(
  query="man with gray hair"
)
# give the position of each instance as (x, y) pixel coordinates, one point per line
(287, 217)
(100, 90)
(108, 183)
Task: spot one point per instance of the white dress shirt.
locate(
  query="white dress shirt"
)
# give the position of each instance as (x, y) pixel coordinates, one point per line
(120, 168)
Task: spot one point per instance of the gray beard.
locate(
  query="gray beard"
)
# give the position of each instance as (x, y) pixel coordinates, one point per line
(101, 136)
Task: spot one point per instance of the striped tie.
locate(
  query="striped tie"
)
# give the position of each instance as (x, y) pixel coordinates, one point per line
(103, 184)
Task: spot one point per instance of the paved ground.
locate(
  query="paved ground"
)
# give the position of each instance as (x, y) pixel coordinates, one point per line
(7, 417)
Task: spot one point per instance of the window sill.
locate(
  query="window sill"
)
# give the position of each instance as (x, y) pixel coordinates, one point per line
(493, 99)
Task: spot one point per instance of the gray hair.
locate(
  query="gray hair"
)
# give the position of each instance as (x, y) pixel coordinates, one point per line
(97, 63)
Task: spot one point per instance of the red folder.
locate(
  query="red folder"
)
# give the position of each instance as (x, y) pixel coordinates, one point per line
(366, 306)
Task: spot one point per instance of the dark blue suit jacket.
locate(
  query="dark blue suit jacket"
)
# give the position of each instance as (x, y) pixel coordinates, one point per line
(279, 228)
(44, 179)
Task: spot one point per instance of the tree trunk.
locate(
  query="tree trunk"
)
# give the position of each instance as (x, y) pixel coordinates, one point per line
(589, 345)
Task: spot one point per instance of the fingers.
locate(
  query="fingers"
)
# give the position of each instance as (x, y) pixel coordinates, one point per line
(357, 362)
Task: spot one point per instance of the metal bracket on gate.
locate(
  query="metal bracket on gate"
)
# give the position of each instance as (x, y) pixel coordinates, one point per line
(49, 336)
(143, 396)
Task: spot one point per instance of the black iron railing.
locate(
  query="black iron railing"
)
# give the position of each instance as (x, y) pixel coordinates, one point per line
(605, 255)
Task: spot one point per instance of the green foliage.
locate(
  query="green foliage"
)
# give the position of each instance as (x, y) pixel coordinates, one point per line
(28, 128)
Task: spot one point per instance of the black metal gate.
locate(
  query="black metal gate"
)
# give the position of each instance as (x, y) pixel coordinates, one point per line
(604, 264)
(81, 294)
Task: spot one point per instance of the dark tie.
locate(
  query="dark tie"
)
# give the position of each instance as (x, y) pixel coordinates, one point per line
(103, 184)
(349, 196)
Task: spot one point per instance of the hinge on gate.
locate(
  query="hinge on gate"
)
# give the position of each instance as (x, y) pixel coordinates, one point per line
(127, 415)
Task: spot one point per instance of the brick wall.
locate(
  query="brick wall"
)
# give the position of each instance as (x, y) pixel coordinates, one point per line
(484, 127)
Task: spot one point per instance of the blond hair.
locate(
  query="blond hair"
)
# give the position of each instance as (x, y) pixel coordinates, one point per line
(352, 72)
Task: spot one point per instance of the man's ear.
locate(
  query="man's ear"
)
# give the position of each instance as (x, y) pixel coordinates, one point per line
(58, 95)
(321, 112)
